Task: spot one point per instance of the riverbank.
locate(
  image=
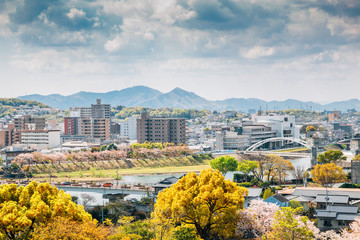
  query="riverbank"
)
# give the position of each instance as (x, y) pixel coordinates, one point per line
(112, 174)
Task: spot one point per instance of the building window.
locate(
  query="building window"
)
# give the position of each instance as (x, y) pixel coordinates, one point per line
(327, 223)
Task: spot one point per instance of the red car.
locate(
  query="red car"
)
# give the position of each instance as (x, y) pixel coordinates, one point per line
(107, 184)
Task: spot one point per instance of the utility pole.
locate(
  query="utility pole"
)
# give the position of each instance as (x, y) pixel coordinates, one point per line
(117, 177)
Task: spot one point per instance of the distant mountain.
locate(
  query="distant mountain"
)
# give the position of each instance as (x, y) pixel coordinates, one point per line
(179, 98)
(129, 97)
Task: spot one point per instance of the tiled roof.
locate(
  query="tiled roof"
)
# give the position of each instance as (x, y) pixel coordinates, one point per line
(347, 217)
(321, 198)
(280, 198)
(313, 192)
(343, 209)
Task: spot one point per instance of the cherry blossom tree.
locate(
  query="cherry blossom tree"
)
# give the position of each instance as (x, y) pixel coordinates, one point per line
(256, 220)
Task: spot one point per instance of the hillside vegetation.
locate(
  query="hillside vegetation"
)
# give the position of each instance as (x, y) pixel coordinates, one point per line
(121, 112)
(9, 106)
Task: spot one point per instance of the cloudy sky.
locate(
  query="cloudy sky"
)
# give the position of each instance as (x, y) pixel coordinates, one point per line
(269, 49)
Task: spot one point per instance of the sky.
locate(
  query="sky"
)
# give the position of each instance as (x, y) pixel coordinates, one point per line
(269, 49)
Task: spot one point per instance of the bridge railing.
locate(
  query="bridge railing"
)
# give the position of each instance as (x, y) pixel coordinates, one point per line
(290, 154)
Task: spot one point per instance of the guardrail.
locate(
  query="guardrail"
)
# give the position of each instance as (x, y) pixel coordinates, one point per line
(287, 154)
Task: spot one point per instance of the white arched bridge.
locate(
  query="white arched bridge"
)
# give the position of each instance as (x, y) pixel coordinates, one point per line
(252, 149)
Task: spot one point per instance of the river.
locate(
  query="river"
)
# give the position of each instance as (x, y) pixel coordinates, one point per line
(150, 179)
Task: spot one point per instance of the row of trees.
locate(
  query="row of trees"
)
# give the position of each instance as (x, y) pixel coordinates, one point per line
(270, 168)
(85, 156)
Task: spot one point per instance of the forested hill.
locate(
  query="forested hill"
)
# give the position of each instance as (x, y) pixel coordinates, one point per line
(121, 112)
(9, 106)
(15, 102)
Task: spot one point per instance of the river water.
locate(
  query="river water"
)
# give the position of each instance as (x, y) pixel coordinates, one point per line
(150, 179)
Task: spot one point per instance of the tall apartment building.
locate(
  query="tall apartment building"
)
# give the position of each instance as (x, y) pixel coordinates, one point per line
(29, 122)
(80, 112)
(97, 128)
(100, 110)
(129, 128)
(161, 129)
(92, 122)
(72, 125)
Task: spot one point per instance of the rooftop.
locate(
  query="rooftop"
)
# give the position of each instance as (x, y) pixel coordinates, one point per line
(354, 194)
(321, 198)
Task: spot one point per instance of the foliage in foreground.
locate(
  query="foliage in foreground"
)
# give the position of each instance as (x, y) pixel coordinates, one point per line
(206, 202)
(63, 228)
(23, 208)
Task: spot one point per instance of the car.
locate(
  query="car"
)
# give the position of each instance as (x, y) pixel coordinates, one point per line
(67, 183)
(107, 184)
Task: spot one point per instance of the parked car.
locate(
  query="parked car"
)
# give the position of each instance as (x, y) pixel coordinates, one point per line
(107, 184)
(67, 183)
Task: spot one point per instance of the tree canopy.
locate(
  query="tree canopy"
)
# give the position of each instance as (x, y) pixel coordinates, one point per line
(224, 164)
(328, 174)
(23, 208)
(331, 156)
(287, 225)
(206, 202)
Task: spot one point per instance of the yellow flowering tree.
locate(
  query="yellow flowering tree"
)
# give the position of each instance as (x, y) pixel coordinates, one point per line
(63, 228)
(328, 174)
(23, 208)
(207, 202)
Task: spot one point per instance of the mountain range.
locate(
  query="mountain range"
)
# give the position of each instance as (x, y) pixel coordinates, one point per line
(178, 98)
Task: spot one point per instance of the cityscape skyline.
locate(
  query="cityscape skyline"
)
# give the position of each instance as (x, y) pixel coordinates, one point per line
(305, 50)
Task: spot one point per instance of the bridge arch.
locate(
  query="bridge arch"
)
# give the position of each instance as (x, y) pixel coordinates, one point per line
(295, 140)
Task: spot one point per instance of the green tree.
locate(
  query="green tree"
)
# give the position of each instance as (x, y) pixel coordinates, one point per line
(267, 193)
(103, 148)
(138, 230)
(294, 204)
(224, 164)
(205, 201)
(331, 156)
(248, 166)
(287, 225)
(112, 146)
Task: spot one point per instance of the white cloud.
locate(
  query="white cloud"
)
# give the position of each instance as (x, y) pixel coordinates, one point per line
(74, 13)
(257, 52)
(68, 62)
(116, 43)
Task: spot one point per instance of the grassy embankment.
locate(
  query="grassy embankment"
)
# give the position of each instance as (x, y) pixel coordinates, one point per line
(102, 170)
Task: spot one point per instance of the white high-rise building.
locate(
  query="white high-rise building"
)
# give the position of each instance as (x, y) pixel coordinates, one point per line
(128, 128)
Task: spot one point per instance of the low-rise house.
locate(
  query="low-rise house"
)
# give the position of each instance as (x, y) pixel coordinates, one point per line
(322, 200)
(278, 200)
(166, 183)
(336, 217)
(354, 194)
